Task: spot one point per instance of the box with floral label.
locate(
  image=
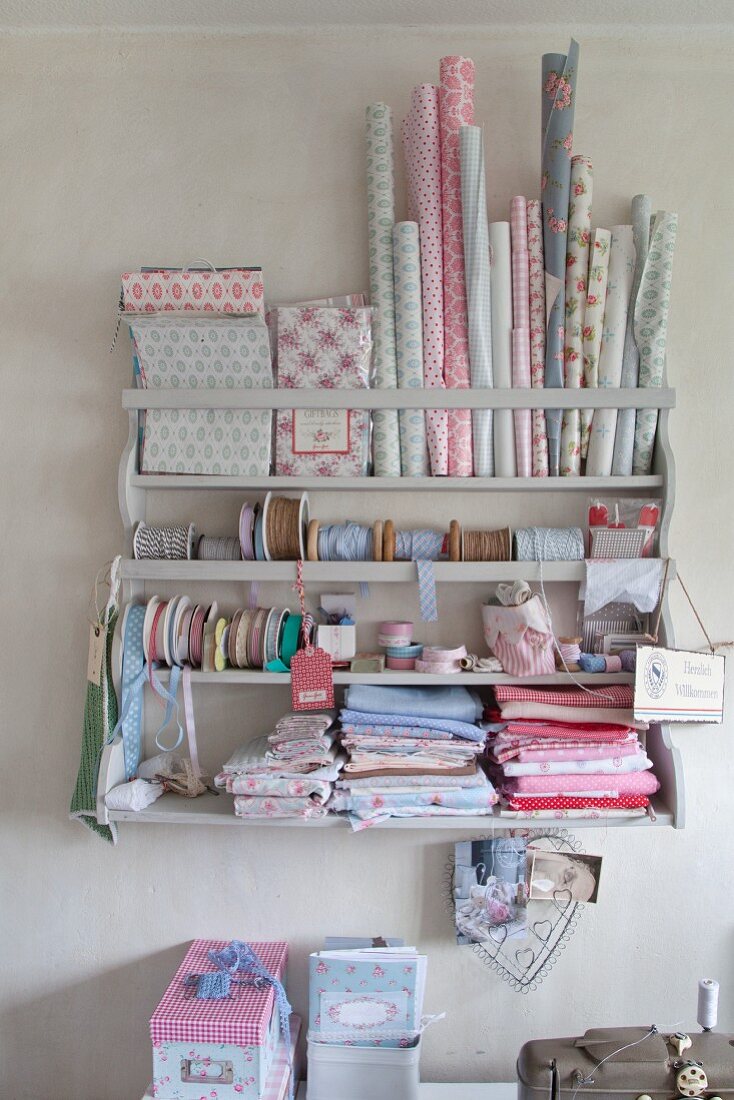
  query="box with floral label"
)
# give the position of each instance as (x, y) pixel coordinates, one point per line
(221, 1021)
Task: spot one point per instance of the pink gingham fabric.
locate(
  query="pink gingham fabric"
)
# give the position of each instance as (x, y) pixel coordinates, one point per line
(521, 331)
(536, 281)
(609, 696)
(422, 147)
(284, 1063)
(456, 109)
(241, 1019)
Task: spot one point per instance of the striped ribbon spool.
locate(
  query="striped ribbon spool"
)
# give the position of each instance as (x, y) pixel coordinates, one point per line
(174, 543)
(549, 544)
(212, 548)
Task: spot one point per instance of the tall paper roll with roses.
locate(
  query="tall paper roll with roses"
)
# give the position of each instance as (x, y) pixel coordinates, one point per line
(559, 75)
(577, 267)
(456, 109)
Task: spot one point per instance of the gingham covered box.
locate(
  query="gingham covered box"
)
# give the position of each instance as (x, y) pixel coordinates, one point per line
(225, 1046)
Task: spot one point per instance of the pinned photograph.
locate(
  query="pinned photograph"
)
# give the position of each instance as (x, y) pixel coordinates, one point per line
(566, 876)
(491, 890)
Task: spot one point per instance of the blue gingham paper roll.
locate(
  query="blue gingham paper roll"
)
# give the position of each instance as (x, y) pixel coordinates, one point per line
(380, 221)
(409, 345)
(478, 298)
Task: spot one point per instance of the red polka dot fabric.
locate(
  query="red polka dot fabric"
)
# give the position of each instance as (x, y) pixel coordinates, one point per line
(561, 802)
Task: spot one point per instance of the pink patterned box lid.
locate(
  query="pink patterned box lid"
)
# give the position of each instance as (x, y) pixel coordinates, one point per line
(242, 1019)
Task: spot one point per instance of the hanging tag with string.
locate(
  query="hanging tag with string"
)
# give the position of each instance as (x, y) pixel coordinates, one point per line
(676, 685)
(312, 679)
(99, 622)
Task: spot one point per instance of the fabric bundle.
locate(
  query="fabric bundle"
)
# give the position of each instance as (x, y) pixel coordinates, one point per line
(587, 763)
(290, 773)
(412, 752)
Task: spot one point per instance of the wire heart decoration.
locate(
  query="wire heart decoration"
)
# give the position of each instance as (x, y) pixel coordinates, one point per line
(524, 963)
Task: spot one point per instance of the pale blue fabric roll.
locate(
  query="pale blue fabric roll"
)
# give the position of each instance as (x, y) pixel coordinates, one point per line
(409, 345)
(478, 296)
(380, 221)
(624, 440)
(559, 77)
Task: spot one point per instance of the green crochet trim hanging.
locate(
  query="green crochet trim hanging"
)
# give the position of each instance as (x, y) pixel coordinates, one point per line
(100, 715)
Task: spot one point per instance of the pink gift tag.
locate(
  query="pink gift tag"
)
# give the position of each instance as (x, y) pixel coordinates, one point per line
(312, 681)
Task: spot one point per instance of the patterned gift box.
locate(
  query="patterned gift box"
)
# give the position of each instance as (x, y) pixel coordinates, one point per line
(323, 348)
(187, 351)
(227, 1045)
(230, 290)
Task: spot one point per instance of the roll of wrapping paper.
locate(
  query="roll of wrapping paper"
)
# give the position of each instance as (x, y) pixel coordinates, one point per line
(422, 146)
(409, 346)
(577, 270)
(478, 296)
(596, 298)
(380, 221)
(505, 463)
(537, 332)
(624, 440)
(521, 331)
(651, 330)
(619, 286)
(456, 109)
(559, 74)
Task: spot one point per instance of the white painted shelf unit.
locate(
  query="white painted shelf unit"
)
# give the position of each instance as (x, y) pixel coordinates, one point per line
(210, 809)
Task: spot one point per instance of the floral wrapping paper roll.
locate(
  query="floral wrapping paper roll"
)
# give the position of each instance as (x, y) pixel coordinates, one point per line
(651, 330)
(456, 109)
(422, 147)
(619, 286)
(559, 75)
(478, 294)
(537, 332)
(624, 439)
(577, 268)
(596, 299)
(409, 346)
(380, 221)
(521, 331)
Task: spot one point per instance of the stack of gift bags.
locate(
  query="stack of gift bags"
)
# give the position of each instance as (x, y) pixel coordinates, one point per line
(288, 773)
(412, 752)
(569, 752)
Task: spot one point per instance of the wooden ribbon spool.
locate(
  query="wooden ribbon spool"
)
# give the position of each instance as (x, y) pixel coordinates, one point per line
(454, 541)
(312, 540)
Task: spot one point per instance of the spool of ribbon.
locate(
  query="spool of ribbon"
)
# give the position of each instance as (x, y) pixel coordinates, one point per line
(218, 549)
(439, 661)
(174, 543)
(599, 662)
(549, 544)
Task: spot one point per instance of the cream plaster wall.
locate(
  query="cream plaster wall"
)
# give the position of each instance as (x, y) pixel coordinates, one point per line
(123, 149)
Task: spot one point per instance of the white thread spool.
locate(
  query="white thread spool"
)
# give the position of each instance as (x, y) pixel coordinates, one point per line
(708, 1003)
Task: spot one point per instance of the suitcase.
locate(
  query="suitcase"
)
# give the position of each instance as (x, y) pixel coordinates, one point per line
(650, 1066)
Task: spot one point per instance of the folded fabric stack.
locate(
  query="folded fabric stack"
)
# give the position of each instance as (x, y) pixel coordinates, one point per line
(288, 774)
(569, 752)
(413, 752)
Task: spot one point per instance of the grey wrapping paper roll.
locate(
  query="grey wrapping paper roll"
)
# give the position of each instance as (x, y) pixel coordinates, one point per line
(380, 221)
(624, 440)
(505, 461)
(651, 331)
(478, 295)
(409, 345)
(559, 75)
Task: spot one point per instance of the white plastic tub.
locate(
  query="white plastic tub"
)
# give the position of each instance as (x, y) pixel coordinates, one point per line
(363, 1073)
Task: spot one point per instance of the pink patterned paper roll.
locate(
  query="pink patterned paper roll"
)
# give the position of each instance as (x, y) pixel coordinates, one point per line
(422, 146)
(456, 109)
(521, 332)
(536, 267)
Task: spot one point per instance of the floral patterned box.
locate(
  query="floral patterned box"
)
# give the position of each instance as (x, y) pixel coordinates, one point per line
(216, 1049)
